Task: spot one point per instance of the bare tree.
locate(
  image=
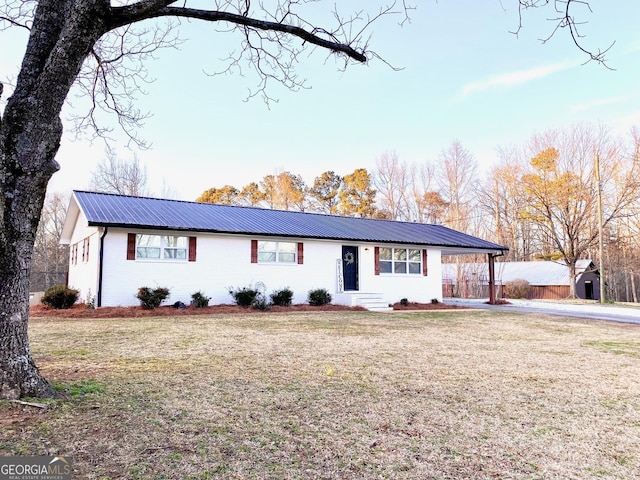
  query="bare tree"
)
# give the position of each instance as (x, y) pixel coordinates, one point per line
(504, 202)
(392, 181)
(561, 184)
(426, 201)
(102, 49)
(124, 177)
(621, 235)
(50, 259)
(458, 181)
(565, 18)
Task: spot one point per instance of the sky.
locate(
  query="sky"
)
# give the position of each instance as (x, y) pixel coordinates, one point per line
(460, 74)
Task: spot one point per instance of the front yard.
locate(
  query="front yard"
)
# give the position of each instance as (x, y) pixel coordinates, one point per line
(328, 395)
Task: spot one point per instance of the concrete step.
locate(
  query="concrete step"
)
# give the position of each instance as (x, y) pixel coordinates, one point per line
(373, 302)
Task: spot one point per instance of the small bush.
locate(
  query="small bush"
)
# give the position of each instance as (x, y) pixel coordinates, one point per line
(199, 300)
(282, 297)
(245, 296)
(404, 302)
(435, 301)
(260, 303)
(319, 297)
(90, 301)
(60, 296)
(518, 288)
(152, 298)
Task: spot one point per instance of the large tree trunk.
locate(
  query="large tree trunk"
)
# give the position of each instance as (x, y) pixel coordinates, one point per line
(572, 279)
(19, 375)
(62, 35)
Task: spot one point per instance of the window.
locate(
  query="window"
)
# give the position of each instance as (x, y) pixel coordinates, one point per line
(74, 254)
(166, 247)
(85, 250)
(147, 246)
(175, 247)
(400, 260)
(277, 252)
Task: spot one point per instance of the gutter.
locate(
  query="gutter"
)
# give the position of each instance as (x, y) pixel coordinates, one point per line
(100, 262)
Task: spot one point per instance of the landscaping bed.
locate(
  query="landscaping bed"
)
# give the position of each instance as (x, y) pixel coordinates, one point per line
(81, 311)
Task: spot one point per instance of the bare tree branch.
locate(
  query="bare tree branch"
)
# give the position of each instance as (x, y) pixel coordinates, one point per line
(115, 72)
(123, 16)
(565, 19)
(17, 14)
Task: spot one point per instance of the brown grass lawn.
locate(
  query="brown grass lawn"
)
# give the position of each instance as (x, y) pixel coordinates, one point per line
(336, 395)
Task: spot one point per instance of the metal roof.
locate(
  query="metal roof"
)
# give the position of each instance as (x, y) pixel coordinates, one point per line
(102, 209)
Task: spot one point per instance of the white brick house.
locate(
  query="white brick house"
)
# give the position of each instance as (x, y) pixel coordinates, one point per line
(120, 243)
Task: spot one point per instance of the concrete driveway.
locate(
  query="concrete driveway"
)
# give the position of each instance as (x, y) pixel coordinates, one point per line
(595, 311)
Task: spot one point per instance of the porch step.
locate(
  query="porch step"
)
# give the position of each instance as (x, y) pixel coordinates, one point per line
(372, 301)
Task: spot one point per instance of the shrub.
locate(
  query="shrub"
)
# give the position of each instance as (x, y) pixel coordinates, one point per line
(199, 300)
(250, 297)
(319, 297)
(435, 301)
(245, 296)
(260, 303)
(282, 297)
(152, 298)
(404, 302)
(60, 296)
(90, 301)
(518, 288)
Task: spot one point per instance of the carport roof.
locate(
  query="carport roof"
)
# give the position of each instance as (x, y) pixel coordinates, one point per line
(110, 210)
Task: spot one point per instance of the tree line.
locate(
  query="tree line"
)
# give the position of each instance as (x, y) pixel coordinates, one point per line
(101, 51)
(348, 195)
(540, 199)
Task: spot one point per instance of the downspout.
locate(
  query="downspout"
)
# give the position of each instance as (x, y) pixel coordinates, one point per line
(101, 256)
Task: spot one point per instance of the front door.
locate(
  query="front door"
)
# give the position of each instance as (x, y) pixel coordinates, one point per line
(350, 267)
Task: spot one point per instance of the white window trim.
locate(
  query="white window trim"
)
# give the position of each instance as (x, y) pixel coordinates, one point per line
(277, 260)
(406, 262)
(163, 246)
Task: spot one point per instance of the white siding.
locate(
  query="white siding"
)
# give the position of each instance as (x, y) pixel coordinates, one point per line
(224, 261)
(83, 274)
(415, 288)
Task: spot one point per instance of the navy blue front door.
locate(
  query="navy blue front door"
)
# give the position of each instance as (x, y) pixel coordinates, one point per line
(350, 267)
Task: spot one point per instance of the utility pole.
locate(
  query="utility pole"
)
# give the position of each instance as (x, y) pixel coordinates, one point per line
(600, 229)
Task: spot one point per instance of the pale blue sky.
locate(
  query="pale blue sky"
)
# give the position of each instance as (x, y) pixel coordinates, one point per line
(465, 77)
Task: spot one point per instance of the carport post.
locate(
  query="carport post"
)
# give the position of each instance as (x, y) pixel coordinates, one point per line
(492, 281)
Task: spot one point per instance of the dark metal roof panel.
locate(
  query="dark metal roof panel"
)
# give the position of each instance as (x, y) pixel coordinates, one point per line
(120, 210)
